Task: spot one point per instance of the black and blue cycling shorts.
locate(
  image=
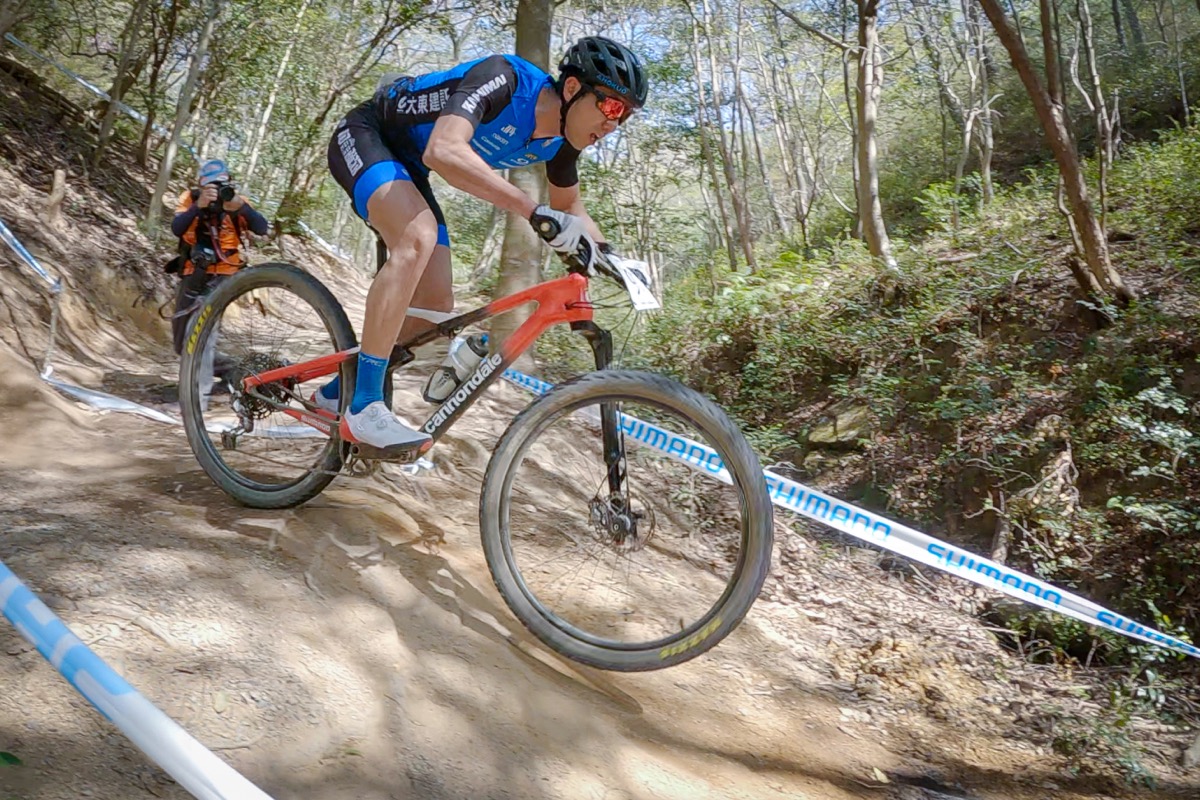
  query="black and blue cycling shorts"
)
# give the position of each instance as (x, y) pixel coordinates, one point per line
(362, 159)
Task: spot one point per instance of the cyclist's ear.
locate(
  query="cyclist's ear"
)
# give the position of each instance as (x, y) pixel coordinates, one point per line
(571, 87)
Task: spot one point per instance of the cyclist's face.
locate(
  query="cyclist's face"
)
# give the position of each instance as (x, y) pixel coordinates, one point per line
(587, 120)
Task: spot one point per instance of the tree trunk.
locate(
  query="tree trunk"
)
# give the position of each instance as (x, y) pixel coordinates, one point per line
(1058, 135)
(129, 41)
(201, 133)
(165, 37)
(1180, 70)
(986, 132)
(489, 254)
(260, 130)
(852, 115)
(706, 152)
(1117, 26)
(1094, 95)
(793, 182)
(58, 190)
(182, 115)
(521, 254)
(870, 81)
(740, 213)
(1135, 26)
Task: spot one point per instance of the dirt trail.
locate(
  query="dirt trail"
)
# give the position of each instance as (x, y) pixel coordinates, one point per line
(356, 648)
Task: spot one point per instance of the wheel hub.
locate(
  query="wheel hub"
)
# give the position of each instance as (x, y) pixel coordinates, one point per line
(620, 522)
(265, 399)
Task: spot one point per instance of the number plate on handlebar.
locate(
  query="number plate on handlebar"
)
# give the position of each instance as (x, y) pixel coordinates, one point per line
(637, 283)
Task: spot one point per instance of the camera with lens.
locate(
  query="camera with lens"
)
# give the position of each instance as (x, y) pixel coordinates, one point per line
(202, 256)
(225, 194)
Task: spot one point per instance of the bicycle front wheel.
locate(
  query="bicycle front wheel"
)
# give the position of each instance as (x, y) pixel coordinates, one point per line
(626, 521)
(260, 319)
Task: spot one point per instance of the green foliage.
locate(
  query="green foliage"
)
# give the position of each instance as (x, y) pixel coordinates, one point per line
(986, 379)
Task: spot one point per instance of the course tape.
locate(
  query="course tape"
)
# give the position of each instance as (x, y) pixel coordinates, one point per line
(191, 764)
(11, 240)
(893, 536)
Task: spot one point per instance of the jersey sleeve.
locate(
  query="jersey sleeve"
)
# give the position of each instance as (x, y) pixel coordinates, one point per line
(484, 91)
(561, 169)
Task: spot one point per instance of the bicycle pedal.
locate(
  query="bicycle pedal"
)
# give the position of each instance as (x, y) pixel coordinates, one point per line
(357, 468)
(365, 452)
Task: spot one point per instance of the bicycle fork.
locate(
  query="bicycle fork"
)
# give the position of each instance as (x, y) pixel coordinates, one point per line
(620, 523)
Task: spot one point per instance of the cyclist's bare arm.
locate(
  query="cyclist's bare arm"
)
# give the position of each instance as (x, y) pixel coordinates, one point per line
(449, 154)
(568, 199)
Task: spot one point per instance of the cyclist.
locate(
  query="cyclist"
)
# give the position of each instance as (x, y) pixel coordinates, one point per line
(493, 113)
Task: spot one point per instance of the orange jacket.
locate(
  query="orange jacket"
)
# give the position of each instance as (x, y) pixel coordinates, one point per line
(228, 240)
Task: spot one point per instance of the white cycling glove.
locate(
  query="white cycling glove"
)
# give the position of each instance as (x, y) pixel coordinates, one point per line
(565, 233)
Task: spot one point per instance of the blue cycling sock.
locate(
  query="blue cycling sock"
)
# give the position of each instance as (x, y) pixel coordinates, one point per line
(368, 386)
(330, 390)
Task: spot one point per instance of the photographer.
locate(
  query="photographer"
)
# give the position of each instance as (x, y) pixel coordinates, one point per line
(208, 221)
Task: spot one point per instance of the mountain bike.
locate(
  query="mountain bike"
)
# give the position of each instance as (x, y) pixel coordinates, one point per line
(624, 517)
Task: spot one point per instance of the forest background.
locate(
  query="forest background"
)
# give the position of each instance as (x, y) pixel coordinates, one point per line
(941, 258)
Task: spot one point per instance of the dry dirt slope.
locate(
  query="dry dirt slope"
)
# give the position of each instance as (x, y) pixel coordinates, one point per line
(355, 647)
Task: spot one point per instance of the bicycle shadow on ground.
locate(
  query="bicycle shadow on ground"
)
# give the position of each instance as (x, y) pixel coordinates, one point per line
(353, 535)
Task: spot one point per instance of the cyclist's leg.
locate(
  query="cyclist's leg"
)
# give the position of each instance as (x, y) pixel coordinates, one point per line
(409, 229)
(435, 291)
(385, 196)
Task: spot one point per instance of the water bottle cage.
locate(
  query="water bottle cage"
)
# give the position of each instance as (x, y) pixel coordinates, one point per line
(447, 373)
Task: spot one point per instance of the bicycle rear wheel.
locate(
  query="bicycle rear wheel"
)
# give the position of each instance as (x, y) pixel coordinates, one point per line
(631, 563)
(261, 319)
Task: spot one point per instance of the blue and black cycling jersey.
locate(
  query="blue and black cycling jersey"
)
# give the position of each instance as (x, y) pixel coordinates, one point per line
(497, 94)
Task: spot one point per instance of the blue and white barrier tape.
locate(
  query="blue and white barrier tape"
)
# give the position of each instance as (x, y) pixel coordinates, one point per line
(7, 236)
(191, 764)
(893, 536)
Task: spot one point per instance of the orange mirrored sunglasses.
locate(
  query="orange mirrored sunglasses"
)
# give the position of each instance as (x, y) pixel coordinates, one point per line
(613, 108)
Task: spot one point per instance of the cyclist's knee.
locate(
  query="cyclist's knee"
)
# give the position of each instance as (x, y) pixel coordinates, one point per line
(413, 249)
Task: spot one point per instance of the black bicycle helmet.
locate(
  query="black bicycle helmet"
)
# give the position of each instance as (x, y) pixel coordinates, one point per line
(598, 61)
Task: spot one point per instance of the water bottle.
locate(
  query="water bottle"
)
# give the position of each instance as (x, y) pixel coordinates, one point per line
(464, 356)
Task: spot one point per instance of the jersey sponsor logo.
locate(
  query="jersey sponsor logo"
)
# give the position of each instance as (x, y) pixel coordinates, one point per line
(350, 155)
(422, 103)
(509, 130)
(472, 102)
